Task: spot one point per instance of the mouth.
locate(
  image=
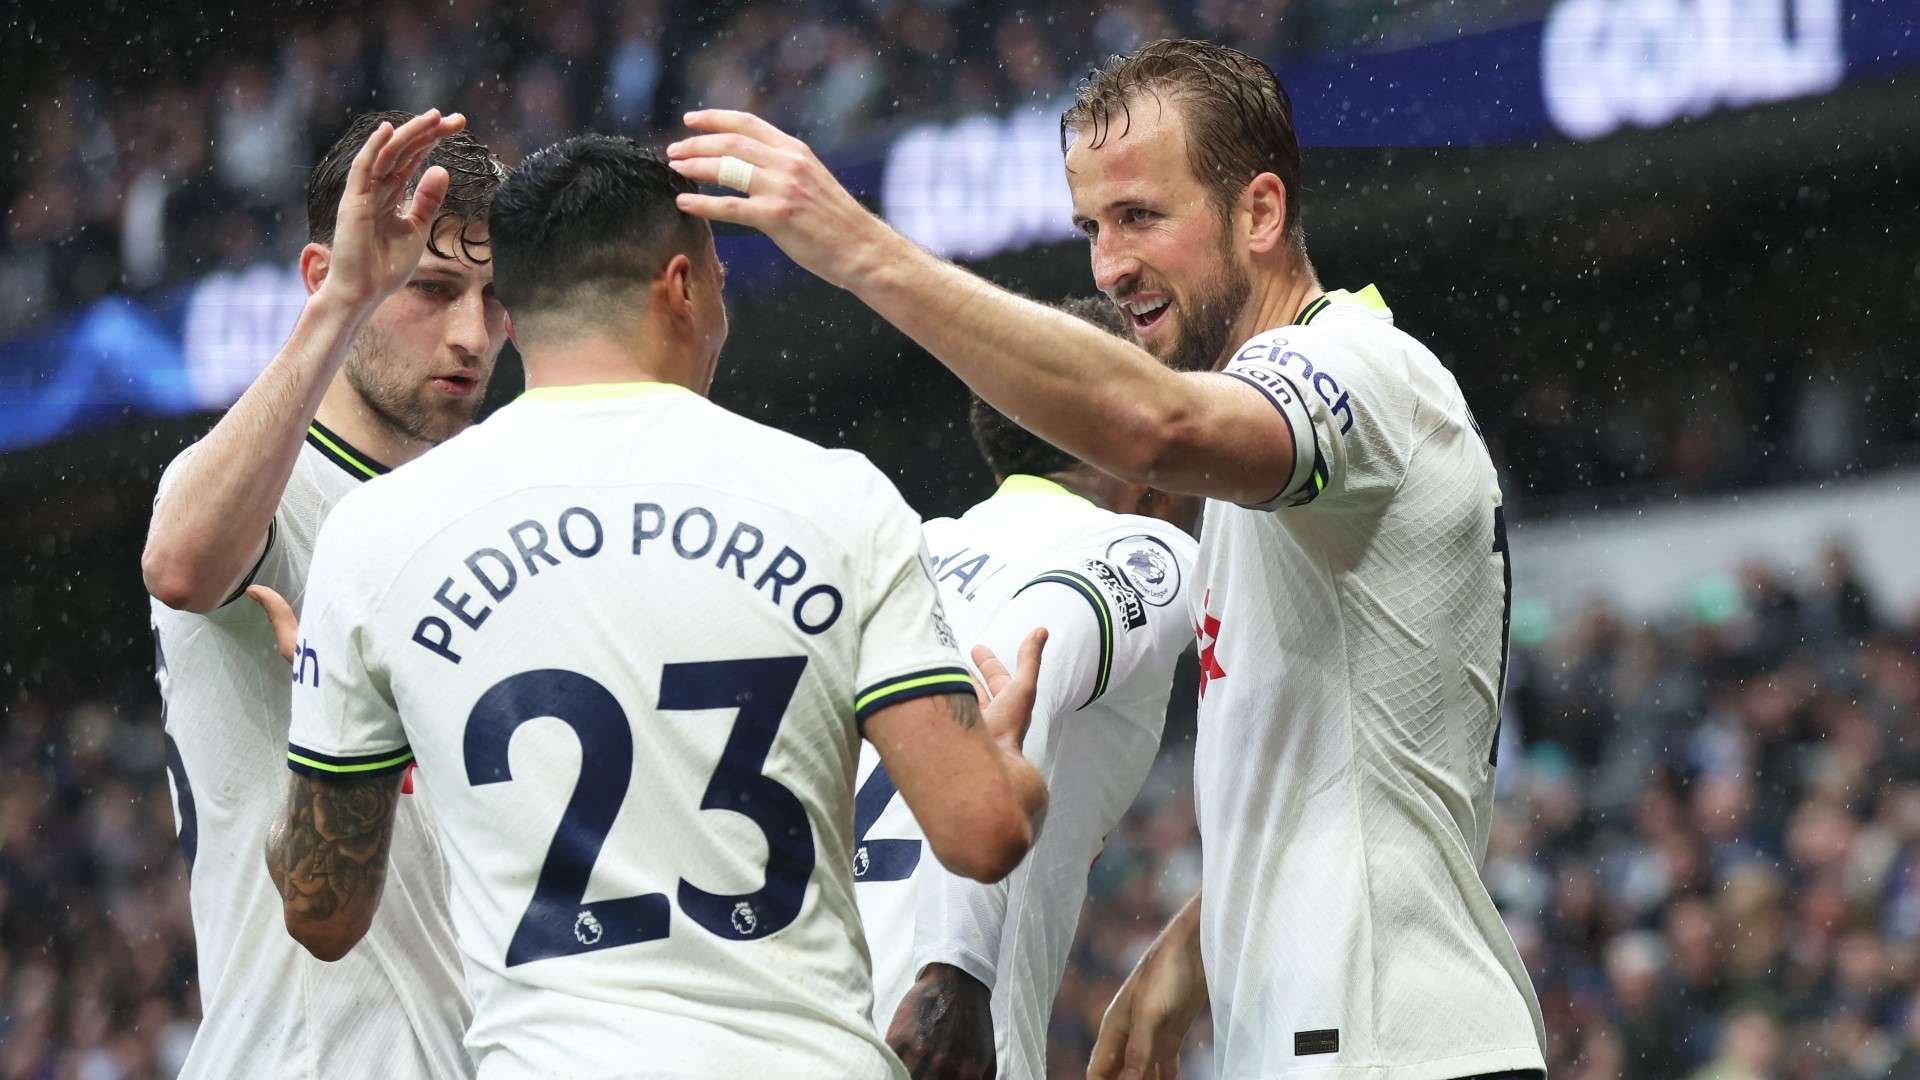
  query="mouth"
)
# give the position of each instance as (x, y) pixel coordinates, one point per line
(1145, 314)
(457, 385)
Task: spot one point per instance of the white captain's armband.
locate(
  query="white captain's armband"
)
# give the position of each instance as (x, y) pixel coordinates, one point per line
(1282, 375)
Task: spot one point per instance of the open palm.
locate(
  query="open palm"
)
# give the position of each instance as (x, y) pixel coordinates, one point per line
(379, 234)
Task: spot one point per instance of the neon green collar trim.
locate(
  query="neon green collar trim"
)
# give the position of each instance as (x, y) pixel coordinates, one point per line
(1368, 297)
(1023, 484)
(600, 391)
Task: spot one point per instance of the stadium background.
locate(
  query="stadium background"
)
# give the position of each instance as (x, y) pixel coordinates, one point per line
(1668, 246)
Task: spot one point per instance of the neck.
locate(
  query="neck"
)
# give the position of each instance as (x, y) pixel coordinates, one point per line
(345, 413)
(1278, 297)
(1101, 489)
(589, 360)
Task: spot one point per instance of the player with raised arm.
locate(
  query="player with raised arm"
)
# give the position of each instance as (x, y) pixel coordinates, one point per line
(391, 354)
(1353, 574)
(634, 641)
(964, 973)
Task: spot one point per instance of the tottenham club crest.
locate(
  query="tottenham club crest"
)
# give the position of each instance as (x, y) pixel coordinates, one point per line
(744, 920)
(587, 929)
(1149, 566)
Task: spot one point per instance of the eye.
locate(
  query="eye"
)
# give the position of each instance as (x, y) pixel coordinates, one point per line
(1135, 215)
(1087, 227)
(435, 289)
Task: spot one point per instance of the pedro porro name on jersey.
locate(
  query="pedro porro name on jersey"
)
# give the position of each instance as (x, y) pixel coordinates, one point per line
(694, 534)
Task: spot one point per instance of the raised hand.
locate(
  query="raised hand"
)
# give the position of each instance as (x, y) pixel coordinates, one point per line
(787, 194)
(1006, 700)
(379, 234)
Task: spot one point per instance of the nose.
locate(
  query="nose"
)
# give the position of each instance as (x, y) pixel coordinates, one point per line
(467, 325)
(1113, 266)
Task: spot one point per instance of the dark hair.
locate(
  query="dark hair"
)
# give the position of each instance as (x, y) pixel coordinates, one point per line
(1239, 118)
(1009, 448)
(472, 169)
(594, 213)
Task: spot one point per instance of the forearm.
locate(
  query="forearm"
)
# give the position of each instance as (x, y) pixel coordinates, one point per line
(327, 857)
(1104, 400)
(209, 525)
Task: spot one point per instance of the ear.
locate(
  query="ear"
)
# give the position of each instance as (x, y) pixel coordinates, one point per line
(510, 334)
(677, 282)
(315, 260)
(1265, 205)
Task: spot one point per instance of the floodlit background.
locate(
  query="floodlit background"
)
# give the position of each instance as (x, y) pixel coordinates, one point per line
(1668, 246)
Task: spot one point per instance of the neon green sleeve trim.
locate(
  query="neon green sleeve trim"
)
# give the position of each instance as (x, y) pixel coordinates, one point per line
(868, 698)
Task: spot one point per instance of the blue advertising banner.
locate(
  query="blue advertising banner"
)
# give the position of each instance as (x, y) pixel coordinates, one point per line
(987, 184)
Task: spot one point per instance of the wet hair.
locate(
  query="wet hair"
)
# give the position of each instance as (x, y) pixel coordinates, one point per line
(1239, 118)
(1009, 448)
(586, 218)
(474, 175)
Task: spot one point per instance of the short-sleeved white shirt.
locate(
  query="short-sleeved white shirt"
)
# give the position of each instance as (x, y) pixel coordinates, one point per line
(1353, 637)
(628, 637)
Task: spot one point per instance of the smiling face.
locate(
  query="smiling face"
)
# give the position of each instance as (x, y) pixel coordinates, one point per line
(1160, 244)
(422, 361)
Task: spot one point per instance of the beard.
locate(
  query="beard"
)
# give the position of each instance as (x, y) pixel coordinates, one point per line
(1206, 322)
(410, 408)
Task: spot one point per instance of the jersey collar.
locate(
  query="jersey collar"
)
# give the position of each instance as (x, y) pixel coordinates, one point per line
(342, 453)
(1368, 298)
(601, 391)
(1025, 484)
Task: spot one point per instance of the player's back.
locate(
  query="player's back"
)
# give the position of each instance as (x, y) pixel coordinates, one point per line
(624, 631)
(1352, 649)
(1132, 571)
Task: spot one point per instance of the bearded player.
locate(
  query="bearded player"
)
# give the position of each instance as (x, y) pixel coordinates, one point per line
(1353, 577)
(390, 356)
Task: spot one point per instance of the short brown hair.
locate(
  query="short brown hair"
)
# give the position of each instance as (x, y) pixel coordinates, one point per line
(472, 169)
(1239, 118)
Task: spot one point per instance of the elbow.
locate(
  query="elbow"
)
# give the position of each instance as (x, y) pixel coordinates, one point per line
(170, 579)
(326, 941)
(991, 848)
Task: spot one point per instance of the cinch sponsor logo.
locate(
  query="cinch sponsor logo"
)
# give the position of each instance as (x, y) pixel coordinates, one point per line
(1609, 63)
(302, 657)
(1339, 402)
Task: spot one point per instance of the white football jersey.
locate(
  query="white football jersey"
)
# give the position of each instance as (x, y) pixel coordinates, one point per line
(629, 637)
(394, 1007)
(1353, 636)
(1110, 588)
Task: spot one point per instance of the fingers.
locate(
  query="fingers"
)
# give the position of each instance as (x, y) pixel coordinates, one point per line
(739, 211)
(994, 675)
(1110, 1046)
(412, 142)
(286, 625)
(752, 151)
(742, 123)
(428, 195)
(359, 171)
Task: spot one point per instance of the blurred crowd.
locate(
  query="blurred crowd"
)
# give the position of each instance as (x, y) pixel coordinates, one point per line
(1707, 845)
(128, 181)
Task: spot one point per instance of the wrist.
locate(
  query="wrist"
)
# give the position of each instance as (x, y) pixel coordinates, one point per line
(335, 301)
(875, 256)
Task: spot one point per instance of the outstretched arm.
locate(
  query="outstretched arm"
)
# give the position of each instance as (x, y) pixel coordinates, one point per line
(1104, 400)
(327, 856)
(210, 523)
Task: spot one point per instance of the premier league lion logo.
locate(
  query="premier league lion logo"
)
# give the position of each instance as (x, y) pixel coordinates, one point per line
(1149, 566)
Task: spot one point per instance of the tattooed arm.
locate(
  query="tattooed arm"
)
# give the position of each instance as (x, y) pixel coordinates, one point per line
(327, 855)
(977, 799)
